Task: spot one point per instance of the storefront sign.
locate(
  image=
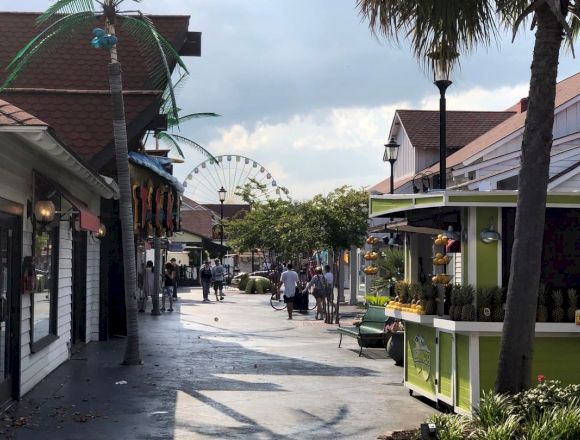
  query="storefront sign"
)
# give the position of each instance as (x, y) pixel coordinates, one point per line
(421, 357)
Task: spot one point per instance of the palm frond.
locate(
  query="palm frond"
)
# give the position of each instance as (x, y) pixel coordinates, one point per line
(172, 122)
(157, 50)
(170, 142)
(177, 88)
(48, 40)
(194, 145)
(65, 7)
(450, 27)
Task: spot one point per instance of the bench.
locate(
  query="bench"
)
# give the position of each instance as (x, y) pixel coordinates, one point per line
(370, 332)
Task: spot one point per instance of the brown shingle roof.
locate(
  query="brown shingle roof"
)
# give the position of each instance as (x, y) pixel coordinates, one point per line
(12, 115)
(82, 119)
(422, 126)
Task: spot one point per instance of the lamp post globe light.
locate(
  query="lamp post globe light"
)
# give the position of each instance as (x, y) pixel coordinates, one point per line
(390, 155)
(222, 196)
(442, 65)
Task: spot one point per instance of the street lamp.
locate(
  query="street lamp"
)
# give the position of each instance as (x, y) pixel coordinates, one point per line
(222, 195)
(442, 66)
(390, 155)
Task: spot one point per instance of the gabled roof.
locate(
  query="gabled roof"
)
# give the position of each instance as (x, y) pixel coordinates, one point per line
(69, 89)
(230, 210)
(422, 126)
(196, 218)
(12, 115)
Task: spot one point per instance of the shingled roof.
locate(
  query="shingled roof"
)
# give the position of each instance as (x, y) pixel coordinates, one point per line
(69, 89)
(12, 115)
(422, 126)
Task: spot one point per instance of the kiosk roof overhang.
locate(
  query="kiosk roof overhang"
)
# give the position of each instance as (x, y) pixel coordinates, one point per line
(395, 205)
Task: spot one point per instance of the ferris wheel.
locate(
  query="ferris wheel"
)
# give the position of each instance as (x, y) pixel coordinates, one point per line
(232, 172)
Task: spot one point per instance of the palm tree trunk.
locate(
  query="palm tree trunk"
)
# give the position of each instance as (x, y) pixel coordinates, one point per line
(132, 356)
(515, 362)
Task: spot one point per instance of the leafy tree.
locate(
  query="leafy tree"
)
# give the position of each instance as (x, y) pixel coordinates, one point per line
(342, 219)
(442, 29)
(65, 18)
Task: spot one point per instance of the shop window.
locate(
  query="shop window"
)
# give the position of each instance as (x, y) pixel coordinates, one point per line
(44, 296)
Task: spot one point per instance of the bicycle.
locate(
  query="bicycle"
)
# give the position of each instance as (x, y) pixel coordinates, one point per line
(277, 301)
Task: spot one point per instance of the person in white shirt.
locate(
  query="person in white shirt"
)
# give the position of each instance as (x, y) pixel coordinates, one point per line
(289, 280)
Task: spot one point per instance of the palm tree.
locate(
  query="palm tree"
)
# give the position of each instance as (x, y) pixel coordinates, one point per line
(65, 18)
(449, 28)
(169, 137)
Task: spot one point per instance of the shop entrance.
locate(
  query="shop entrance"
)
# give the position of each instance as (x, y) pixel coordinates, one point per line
(10, 233)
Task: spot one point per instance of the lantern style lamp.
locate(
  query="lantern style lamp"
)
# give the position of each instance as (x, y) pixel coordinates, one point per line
(490, 235)
(442, 65)
(390, 155)
(44, 211)
(222, 196)
(102, 231)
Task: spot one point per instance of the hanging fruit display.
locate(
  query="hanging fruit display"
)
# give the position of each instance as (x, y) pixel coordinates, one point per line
(371, 255)
(441, 240)
(373, 240)
(442, 278)
(441, 260)
(371, 270)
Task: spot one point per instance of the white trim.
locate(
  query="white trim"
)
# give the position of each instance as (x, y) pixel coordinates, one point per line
(562, 328)
(421, 391)
(408, 316)
(565, 177)
(466, 169)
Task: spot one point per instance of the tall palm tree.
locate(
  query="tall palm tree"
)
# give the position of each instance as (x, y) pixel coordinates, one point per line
(65, 18)
(452, 27)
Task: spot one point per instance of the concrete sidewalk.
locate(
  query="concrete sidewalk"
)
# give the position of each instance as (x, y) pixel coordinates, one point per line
(228, 370)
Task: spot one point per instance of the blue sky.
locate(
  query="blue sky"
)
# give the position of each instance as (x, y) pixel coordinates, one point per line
(306, 90)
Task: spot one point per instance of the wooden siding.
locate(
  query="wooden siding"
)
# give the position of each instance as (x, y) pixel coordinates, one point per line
(405, 165)
(93, 261)
(567, 121)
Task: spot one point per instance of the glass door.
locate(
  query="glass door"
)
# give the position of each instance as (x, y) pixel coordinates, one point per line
(8, 302)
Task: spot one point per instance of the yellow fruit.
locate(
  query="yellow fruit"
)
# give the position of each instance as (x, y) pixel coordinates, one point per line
(438, 255)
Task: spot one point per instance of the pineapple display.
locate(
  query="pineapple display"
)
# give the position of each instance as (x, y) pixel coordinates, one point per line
(542, 313)
(558, 310)
(484, 297)
(402, 291)
(572, 303)
(455, 291)
(468, 309)
(415, 292)
(498, 309)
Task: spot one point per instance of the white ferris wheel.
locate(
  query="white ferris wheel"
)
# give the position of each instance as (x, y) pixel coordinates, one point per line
(231, 172)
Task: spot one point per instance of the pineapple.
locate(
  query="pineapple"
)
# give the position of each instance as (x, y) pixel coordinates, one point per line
(498, 310)
(572, 302)
(429, 295)
(454, 300)
(415, 292)
(402, 290)
(468, 309)
(484, 297)
(557, 311)
(542, 313)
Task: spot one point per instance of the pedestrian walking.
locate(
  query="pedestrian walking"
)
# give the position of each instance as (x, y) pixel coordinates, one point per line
(205, 276)
(319, 291)
(168, 281)
(329, 277)
(218, 275)
(148, 285)
(176, 276)
(289, 280)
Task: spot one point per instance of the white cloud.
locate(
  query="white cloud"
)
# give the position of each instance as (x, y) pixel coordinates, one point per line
(478, 98)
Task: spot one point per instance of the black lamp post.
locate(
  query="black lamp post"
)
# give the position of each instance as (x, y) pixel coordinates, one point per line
(390, 155)
(222, 195)
(442, 66)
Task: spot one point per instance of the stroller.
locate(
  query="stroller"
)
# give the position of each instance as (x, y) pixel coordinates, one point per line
(301, 299)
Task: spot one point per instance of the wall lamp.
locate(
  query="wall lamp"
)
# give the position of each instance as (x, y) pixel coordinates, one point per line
(490, 235)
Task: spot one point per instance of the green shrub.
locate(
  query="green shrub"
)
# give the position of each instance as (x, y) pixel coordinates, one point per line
(494, 409)
(450, 426)
(243, 280)
(546, 395)
(376, 300)
(258, 284)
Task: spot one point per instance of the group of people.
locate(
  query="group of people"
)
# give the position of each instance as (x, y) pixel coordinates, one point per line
(215, 276)
(169, 285)
(321, 285)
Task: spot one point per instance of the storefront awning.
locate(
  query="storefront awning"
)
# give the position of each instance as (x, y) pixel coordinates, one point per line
(155, 164)
(395, 205)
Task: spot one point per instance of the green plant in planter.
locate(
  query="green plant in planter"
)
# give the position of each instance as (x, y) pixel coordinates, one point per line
(376, 300)
(258, 284)
(391, 264)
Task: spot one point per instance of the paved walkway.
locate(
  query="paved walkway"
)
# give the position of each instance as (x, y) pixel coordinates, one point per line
(231, 370)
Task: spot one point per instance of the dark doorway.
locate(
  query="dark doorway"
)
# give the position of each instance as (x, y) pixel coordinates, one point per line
(10, 245)
(79, 294)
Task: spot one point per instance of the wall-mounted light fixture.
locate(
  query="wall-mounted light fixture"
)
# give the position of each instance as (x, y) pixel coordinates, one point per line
(450, 233)
(44, 211)
(101, 232)
(490, 235)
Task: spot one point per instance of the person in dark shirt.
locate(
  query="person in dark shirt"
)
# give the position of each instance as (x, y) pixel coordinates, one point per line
(168, 281)
(205, 275)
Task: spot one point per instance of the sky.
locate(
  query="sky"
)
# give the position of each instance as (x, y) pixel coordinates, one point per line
(305, 89)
